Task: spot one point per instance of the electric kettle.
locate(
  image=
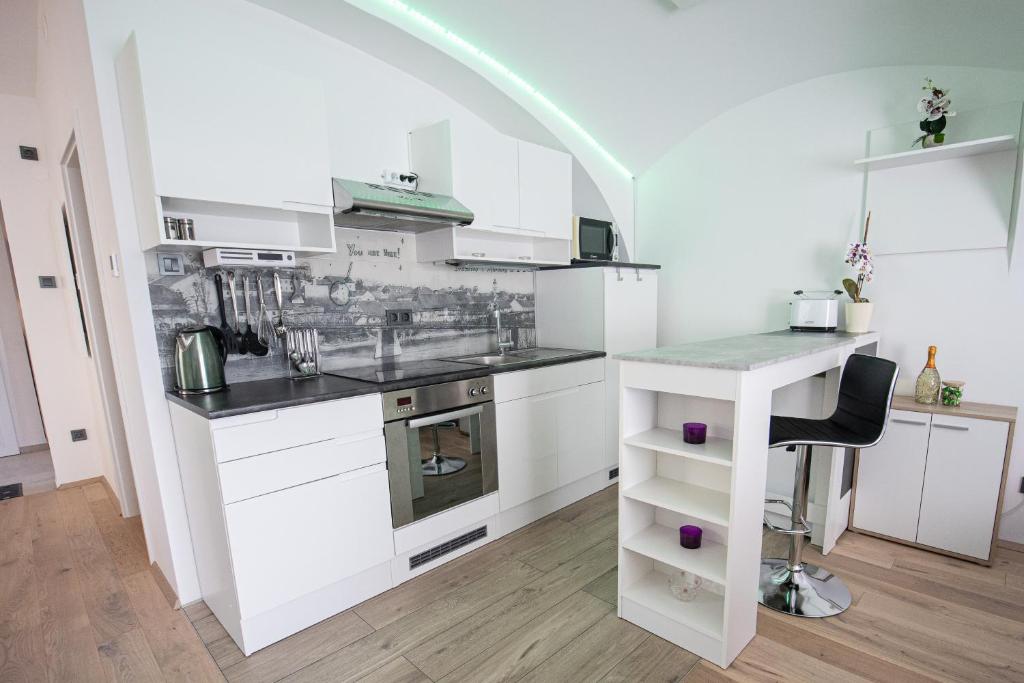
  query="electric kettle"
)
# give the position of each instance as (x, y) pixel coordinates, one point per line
(199, 355)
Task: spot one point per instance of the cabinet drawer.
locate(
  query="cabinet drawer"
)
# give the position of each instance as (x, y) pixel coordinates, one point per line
(290, 543)
(260, 474)
(510, 386)
(274, 430)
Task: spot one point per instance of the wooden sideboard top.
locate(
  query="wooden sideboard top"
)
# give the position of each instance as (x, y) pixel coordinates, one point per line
(979, 411)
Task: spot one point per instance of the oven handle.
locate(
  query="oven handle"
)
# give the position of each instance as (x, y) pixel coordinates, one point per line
(444, 417)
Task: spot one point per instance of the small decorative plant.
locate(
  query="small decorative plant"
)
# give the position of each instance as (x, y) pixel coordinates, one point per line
(935, 106)
(858, 257)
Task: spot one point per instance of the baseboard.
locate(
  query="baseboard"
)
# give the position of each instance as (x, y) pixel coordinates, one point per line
(1011, 545)
(165, 586)
(34, 449)
(82, 482)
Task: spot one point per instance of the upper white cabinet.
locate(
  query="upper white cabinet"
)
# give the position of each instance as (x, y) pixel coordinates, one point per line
(936, 478)
(240, 148)
(545, 191)
(520, 195)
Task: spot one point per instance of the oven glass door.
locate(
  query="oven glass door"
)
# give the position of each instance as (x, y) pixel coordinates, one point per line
(439, 461)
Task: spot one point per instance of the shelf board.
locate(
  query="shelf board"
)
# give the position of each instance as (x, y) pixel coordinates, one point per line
(661, 543)
(687, 499)
(704, 614)
(715, 450)
(999, 143)
(199, 245)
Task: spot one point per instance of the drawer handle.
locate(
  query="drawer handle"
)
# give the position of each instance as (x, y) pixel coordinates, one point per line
(904, 421)
(958, 428)
(478, 254)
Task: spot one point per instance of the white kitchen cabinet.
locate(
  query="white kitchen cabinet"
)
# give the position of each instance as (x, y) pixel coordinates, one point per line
(545, 191)
(964, 474)
(520, 194)
(289, 512)
(241, 148)
(550, 429)
(936, 479)
(890, 475)
(610, 309)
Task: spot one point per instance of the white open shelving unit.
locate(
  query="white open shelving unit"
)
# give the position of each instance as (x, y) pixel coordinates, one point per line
(998, 143)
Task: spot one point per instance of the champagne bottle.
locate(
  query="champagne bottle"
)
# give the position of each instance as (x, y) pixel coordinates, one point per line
(928, 383)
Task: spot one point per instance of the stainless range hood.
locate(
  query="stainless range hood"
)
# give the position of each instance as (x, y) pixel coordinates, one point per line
(372, 206)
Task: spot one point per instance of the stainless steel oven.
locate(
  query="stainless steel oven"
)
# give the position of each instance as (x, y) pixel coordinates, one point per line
(441, 447)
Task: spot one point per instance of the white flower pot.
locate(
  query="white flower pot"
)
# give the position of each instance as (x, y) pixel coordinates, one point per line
(858, 317)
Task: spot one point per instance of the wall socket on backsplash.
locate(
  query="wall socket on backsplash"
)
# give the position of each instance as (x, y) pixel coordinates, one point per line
(403, 179)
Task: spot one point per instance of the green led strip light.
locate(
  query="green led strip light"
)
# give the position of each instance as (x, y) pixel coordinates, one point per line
(500, 68)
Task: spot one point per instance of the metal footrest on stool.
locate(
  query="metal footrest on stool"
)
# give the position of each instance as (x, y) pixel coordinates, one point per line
(804, 527)
(808, 591)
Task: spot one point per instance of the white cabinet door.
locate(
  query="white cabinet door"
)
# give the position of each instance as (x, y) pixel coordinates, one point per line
(545, 191)
(290, 543)
(961, 484)
(527, 448)
(581, 437)
(890, 476)
(224, 129)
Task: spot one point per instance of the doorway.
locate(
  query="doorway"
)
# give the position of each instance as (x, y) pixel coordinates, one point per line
(84, 269)
(25, 463)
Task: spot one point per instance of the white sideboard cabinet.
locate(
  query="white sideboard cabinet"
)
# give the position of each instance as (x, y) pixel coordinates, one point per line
(936, 479)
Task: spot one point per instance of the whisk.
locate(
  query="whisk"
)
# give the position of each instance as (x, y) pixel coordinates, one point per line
(264, 320)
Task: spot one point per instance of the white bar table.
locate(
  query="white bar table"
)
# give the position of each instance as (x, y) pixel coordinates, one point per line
(665, 482)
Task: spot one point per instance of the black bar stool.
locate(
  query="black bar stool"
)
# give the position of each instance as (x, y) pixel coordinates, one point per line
(865, 394)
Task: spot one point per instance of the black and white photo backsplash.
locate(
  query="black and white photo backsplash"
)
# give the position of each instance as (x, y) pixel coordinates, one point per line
(346, 295)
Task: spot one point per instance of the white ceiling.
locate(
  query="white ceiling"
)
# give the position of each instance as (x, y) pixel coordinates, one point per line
(18, 47)
(640, 75)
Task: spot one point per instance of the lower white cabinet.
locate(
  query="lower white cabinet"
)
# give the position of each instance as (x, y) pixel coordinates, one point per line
(289, 512)
(936, 478)
(550, 424)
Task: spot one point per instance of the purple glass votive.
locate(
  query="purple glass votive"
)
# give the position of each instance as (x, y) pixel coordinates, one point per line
(695, 432)
(689, 536)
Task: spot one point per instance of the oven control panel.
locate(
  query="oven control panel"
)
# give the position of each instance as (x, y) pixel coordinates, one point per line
(433, 398)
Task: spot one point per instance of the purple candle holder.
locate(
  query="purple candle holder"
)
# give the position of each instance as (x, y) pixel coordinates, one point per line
(695, 432)
(689, 536)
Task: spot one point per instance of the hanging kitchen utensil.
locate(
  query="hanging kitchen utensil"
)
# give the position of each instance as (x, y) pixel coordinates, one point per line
(342, 289)
(264, 322)
(241, 343)
(252, 340)
(279, 327)
(230, 343)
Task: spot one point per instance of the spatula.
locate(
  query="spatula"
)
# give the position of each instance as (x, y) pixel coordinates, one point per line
(252, 340)
(240, 340)
(229, 334)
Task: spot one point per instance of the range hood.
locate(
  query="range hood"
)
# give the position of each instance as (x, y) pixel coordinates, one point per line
(372, 206)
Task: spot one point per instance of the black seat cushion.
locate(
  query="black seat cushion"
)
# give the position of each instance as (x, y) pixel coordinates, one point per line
(865, 393)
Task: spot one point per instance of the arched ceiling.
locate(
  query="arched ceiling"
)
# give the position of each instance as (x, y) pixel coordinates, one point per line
(640, 75)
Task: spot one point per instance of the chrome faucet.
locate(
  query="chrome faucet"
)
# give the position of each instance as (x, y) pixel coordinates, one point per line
(502, 345)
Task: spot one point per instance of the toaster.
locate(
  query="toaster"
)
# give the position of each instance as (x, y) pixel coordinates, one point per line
(814, 312)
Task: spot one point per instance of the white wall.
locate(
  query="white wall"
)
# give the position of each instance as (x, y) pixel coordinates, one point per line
(30, 194)
(371, 107)
(762, 201)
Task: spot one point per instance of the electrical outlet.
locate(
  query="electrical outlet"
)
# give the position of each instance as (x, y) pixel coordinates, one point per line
(78, 435)
(48, 281)
(1022, 484)
(399, 317)
(403, 179)
(28, 153)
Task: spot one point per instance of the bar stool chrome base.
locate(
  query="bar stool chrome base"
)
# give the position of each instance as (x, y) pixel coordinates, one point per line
(439, 463)
(813, 592)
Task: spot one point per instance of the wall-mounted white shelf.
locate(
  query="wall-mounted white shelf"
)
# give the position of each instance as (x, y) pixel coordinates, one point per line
(661, 543)
(686, 499)
(704, 614)
(999, 143)
(715, 450)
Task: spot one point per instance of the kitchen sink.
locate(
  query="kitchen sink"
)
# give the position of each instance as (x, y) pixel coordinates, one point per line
(514, 357)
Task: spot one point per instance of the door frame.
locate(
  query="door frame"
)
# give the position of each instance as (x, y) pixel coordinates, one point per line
(98, 344)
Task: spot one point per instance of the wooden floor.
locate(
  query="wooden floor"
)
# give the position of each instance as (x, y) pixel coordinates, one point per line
(78, 603)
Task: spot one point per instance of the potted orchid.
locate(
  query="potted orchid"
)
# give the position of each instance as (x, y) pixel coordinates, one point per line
(859, 310)
(935, 107)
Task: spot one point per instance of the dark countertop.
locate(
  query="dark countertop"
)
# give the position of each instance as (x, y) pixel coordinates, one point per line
(603, 264)
(281, 392)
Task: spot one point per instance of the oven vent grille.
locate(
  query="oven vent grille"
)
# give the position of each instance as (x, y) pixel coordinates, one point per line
(448, 546)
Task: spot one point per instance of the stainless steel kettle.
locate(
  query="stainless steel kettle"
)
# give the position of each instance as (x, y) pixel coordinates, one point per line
(199, 355)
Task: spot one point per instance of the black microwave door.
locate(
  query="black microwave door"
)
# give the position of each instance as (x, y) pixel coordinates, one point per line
(596, 239)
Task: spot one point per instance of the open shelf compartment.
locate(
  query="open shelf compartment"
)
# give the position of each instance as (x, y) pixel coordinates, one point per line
(715, 450)
(661, 543)
(704, 614)
(682, 497)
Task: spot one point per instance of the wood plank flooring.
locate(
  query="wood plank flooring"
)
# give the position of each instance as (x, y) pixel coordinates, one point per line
(77, 603)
